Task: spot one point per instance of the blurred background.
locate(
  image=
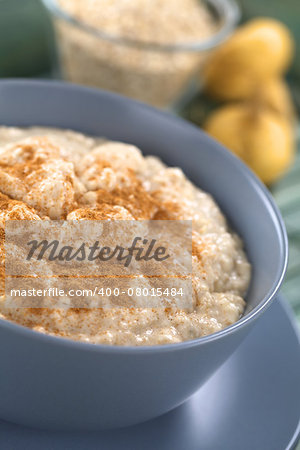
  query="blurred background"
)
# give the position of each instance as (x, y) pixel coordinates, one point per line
(239, 79)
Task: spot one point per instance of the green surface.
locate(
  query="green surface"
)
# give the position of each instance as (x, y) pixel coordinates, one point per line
(287, 196)
(26, 39)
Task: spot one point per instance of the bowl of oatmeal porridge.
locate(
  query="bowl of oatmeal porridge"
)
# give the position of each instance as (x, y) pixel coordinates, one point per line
(71, 153)
(149, 50)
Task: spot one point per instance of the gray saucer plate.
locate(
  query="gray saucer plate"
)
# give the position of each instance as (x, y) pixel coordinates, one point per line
(251, 403)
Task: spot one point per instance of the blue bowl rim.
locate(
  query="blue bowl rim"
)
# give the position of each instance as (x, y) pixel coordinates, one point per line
(251, 177)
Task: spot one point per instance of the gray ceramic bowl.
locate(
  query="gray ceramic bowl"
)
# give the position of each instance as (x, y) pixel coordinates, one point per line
(55, 383)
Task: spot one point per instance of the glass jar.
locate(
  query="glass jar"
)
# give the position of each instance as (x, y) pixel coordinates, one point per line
(161, 75)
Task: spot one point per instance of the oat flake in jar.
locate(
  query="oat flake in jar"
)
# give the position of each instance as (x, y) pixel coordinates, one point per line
(149, 50)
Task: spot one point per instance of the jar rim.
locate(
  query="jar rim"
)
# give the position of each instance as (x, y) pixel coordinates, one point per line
(227, 10)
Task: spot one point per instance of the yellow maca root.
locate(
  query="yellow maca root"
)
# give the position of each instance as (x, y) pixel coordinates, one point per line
(261, 49)
(271, 148)
(225, 124)
(262, 138)
(274, 94)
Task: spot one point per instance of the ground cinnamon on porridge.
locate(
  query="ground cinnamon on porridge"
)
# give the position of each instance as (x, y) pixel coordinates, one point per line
(56, 174)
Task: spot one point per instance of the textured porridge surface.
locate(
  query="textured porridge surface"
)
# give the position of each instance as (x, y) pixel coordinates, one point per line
(56, 174)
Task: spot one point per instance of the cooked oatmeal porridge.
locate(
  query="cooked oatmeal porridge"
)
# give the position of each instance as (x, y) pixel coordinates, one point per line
(58, 174)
